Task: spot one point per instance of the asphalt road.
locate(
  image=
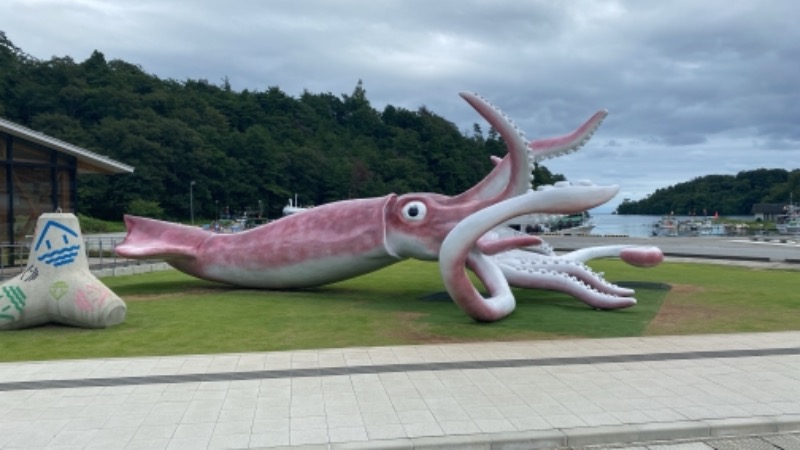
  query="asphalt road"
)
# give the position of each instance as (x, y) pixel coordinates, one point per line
(785, 250)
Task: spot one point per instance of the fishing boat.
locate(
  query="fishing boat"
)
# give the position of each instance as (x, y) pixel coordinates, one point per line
(790, 227)
(669, 225)
(666, 226)
(789, 223)
(579, 223)
(293, 207)
(709, 228)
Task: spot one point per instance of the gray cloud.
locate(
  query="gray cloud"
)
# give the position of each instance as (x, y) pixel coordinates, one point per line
(693, 88)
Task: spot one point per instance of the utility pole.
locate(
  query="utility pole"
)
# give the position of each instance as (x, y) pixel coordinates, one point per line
(191, 201)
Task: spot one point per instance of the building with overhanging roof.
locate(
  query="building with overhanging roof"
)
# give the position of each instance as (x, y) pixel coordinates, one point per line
(38, 174)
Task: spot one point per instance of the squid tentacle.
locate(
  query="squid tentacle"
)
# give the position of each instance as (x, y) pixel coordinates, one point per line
(539, 149)
(460, 248)
(543, 249)
(501, 301)
(513, 176)
(542, 278)
(636, 255)
(495, 246)
(548, 217)
(553, 147)
(513, 267)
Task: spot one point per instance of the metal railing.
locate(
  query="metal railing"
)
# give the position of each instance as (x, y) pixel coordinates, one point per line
(99, 252)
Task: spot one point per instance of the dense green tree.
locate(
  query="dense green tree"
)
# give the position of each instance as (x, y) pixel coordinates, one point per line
(238, 152)
(145, 208)
(542, 176)
(723, 194)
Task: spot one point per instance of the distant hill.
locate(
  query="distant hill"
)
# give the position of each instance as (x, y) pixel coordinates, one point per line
(242, 151)
(723, 194)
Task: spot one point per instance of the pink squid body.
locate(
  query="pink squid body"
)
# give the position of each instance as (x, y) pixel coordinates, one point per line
(323, 245)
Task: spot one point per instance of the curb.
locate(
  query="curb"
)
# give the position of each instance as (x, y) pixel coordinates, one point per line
(581, 437)
(762, 259)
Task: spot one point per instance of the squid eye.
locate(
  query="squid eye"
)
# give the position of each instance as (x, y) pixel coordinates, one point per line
(414, 211)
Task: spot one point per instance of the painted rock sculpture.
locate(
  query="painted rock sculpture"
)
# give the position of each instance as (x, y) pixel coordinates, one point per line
(57, 286)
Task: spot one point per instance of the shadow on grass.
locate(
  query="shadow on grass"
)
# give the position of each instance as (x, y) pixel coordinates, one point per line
(644, 285)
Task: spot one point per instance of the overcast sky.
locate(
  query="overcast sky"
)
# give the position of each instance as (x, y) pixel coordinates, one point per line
(693, 87)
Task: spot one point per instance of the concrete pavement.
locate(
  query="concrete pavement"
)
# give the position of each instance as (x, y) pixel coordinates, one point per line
(531, 394)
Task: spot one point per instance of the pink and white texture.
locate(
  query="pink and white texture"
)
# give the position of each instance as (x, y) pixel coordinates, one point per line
(57, 286)
(345, 239)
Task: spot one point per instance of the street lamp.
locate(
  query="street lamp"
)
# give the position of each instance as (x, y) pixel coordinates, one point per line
(191, 201)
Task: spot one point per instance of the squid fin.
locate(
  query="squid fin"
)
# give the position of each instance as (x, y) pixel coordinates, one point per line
(150, 238)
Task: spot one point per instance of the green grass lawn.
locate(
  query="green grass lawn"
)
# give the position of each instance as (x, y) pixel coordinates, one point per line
(171, 313)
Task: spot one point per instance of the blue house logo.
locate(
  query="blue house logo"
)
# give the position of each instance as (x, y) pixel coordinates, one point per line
(61, 244)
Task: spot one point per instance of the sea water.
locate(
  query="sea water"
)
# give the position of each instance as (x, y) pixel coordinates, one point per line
(623, 224)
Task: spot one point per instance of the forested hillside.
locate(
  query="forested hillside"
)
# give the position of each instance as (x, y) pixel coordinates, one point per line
(247, 150)
(725, 194)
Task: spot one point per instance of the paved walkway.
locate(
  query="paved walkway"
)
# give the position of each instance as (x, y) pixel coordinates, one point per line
(531, 394)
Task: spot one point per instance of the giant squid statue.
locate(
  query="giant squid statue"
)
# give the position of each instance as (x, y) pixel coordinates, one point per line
(344, 239)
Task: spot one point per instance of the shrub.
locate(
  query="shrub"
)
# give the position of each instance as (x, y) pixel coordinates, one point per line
(92, 225)
(145, 208)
